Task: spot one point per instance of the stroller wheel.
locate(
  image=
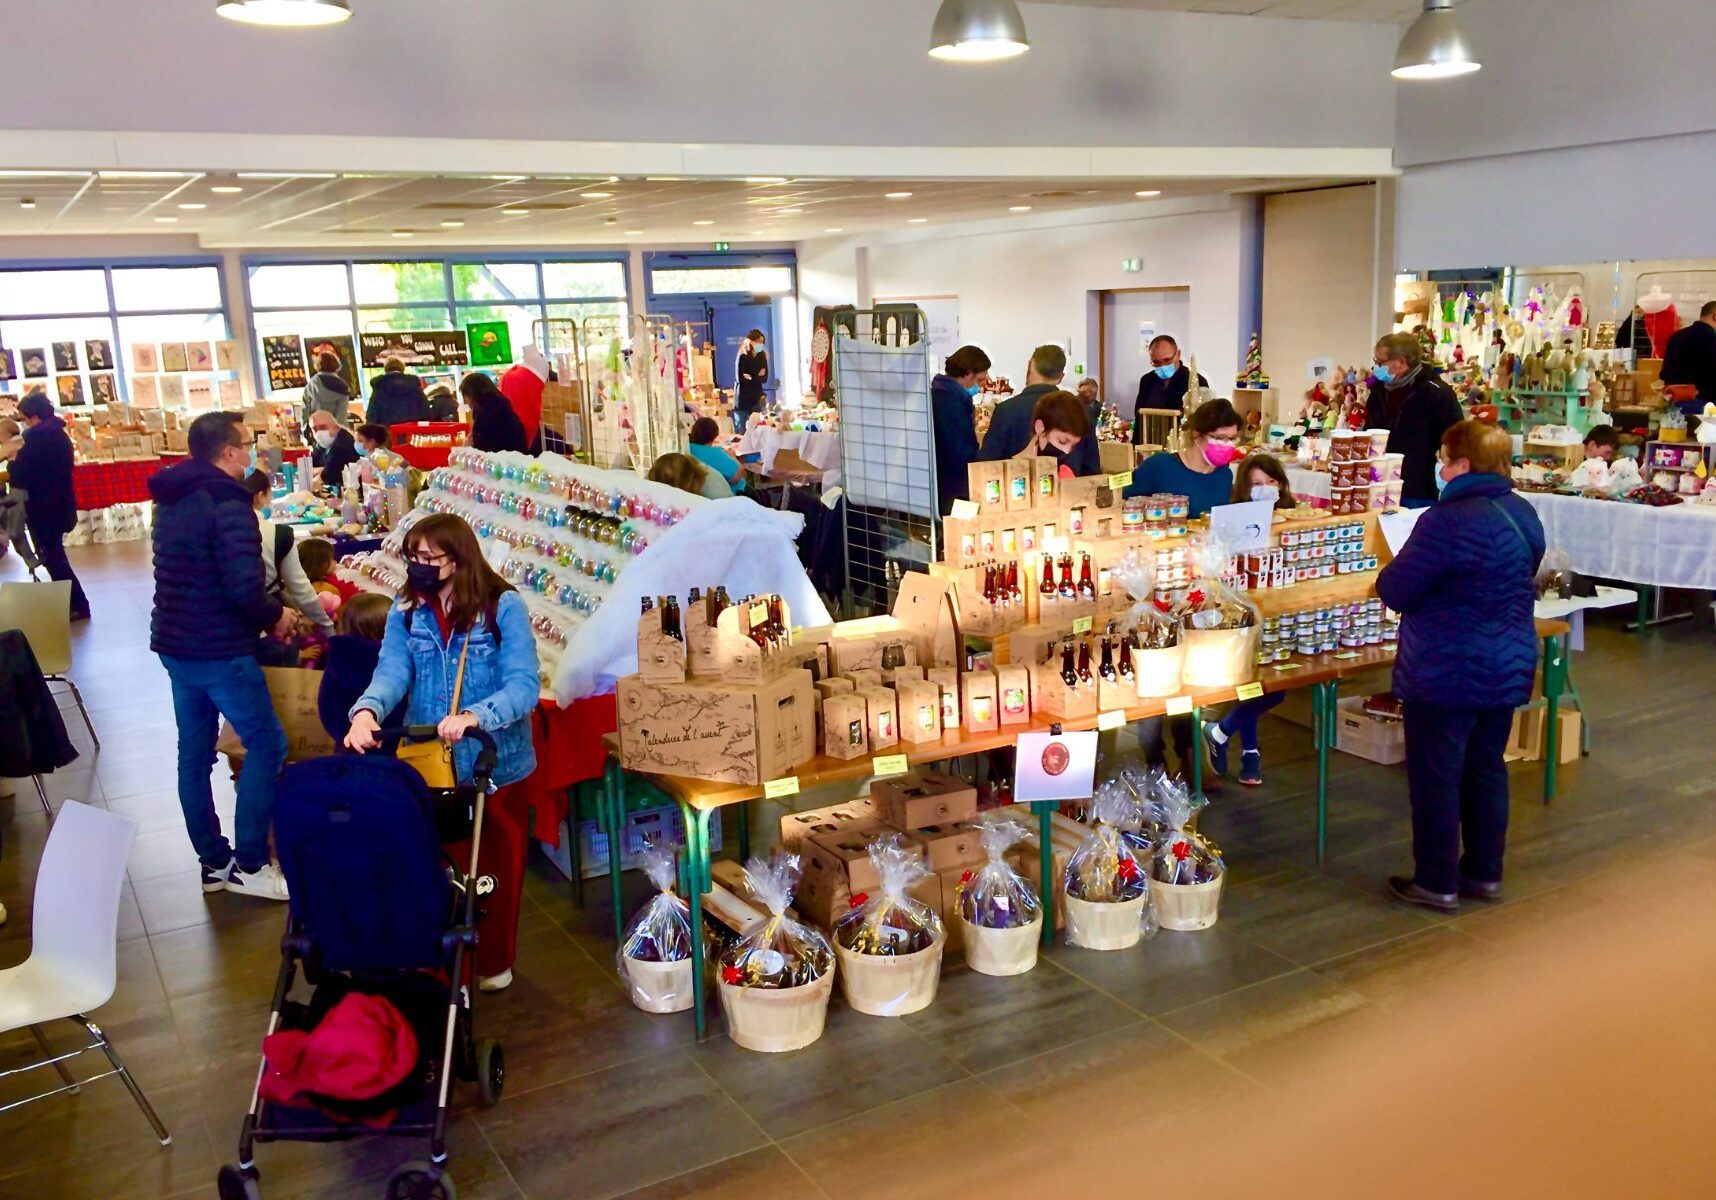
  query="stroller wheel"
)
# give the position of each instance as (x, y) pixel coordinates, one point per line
(410, 1181)
(234, 1184)
(491, 1070)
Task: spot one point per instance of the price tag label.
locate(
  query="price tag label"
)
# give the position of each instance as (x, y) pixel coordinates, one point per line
(964, 510)
(1083, 624)
(1349, 654)
(1112, 719)
(1179, 706)
(778, 789)
(1250, 691)
(885, 765)
(1288, 666)
(1120, 480)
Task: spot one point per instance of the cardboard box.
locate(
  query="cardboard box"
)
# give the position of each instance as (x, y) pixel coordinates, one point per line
(893, 675)
(736, 915)
(661, 659)
(833, 686)
(862, 645)
(728, 874)
(845, 726)
(862, 679)
(884, 717)
(1013, 685)
(1047, 470)
(947, 679)
(987, 485)
(920, 710)
(824, 900)
(979, 702)
(1528, 741)
(1020, 480)
(1055, 699)
(1364, 736)
(951, 847)
(924, 798)
(795, 827)
(731, 733)
(846, 855)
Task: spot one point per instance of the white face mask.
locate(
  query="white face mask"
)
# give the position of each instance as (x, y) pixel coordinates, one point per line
(1265, 491)
(324, 438)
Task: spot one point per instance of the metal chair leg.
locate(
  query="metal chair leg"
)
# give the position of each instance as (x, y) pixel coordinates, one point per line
(59, 1067)
(84, 712)
(42, 793)
(125, 1075)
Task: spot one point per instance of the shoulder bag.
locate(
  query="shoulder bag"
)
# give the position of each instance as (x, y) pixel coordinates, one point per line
(434, 759)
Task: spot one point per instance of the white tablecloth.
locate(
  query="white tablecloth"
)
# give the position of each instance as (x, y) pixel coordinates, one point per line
(820, 449)
(1610, 539)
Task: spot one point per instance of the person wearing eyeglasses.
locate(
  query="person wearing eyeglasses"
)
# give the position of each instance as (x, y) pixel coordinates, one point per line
(1202, 471)
(460, 653)
(1417, 408)
(1163, 388)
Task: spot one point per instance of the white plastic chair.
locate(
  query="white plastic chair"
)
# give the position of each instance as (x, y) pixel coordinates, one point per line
(43, 612)
(73, 946)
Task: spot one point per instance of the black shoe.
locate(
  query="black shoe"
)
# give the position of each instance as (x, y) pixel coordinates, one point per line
(1409, 892)
(80, 616)
(1473, 890)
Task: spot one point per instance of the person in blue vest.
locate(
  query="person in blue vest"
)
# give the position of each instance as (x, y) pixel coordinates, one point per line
(1464, 586)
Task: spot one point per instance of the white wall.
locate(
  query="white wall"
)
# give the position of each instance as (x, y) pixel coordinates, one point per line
(806, 72)
(1022, 286)
(1590, 134)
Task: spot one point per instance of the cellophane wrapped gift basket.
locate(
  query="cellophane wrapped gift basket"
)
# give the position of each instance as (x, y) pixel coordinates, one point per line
(1187, 871)
(655, 954)
(1000, 912)
(1220, 627)
(775, 980)
(1157, 652)
(1107, 889)
(890, 944)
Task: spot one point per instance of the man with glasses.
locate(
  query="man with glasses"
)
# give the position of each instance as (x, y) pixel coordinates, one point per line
(211, 607)
(1164, 387)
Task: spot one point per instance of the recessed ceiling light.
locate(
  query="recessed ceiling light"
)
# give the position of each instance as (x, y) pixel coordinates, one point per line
(452, 223)
(634, 233)
(1146, 194)
(145, 174)
(1020, 208)
(515, 212)
(703, 222)
(402, 233)
(835, 230)
(765, 179)
(597, 195)
(44, 174)
(898, 195)
(226, 189)
(292, 13)
(192, 207)
(166, 220)
(26, 203)
(287, 175)
(917, 220)
(661, 179)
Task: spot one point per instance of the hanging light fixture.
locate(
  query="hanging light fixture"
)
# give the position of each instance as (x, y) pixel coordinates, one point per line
(978, 31)
(1434, 46)
(295, 13)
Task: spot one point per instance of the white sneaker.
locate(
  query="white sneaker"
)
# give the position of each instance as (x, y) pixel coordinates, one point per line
(265, 883)
(495, 983)
(215, 879)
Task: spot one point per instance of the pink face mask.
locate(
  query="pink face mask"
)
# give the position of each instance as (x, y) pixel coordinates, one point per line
(1220, 454)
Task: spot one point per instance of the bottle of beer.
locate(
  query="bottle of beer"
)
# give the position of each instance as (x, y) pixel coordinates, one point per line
(648, 603)
(1086, 587)
(718, 603)
(1069, 673)
(1105, 668)
(1126, 659)
(1013, 582)
(1048, 588)
(777, 620)
(1067, 589)
(670, 619)
(1084, 662)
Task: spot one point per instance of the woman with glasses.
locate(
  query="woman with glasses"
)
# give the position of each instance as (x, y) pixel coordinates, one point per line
(460, 629)
(1202, 471)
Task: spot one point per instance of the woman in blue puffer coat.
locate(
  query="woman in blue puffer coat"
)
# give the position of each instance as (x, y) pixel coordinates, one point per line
(1464, 586)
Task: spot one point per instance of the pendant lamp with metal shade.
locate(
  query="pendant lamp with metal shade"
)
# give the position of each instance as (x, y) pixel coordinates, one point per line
(978, 31)
(285, 13)
(1434, 46)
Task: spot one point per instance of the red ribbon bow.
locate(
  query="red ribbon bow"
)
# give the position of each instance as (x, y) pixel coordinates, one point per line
(860, 899)
(965, 877)
(1127, 870)
(1195, 597)
(1162, 606)
(1182, 850)
(732, 975)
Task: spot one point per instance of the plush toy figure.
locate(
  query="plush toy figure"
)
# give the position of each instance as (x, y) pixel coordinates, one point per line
(1706, 433)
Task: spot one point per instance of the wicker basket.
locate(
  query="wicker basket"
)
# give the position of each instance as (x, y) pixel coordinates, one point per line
(659, 987)
(1115, 926)
(1157, 672)
(1220, 657)
(775, 1020)
(1186, 907)
(1001, 951)
(891, 987)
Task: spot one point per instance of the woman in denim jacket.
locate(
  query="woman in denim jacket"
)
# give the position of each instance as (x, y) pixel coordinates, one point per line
(453, 598)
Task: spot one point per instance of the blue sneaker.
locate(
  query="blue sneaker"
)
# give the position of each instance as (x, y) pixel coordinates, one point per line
(214, 878)
(1251, 768)
(1217, 750)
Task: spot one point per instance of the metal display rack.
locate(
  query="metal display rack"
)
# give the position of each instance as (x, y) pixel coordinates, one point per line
(631, 406)
(881, 379)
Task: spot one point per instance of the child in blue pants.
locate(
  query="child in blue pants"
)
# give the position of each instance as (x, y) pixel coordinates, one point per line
(1242, 719)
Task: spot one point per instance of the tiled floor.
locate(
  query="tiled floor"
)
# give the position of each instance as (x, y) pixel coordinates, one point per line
(605, 1101)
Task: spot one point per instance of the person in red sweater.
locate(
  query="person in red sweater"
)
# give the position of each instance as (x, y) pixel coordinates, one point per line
(522, 386)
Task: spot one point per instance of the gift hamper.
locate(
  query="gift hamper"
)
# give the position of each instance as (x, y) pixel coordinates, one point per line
(1187, 872)
(1000, 913)
(1107, 892)
(655, 954)
(775, 980)
(888, 943)
(1153, 645)
(1220, 628)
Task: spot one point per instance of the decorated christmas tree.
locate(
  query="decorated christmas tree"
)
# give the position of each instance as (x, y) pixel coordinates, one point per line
(1253, 376)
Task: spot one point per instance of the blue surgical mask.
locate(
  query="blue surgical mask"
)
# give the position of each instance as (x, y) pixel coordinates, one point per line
(1383, 373)
(1266, 491)
(1441, 484)
(1167, 371)
(972, 391)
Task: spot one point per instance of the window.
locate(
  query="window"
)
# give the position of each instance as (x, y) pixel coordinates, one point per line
(399, 282)
(300, 285)
(166, 289)
(377, 320)
(584, 279)
(495, 281)
(758, 281)
(51, 293)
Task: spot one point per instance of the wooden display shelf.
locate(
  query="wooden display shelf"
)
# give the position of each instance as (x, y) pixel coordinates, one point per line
(1342, 589)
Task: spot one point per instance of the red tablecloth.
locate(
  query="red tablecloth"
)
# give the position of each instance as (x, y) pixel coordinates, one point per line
(104, 484)
(569, 750)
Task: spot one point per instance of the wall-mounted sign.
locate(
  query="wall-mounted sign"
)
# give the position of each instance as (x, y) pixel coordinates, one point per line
(417, 348)
(283, 355)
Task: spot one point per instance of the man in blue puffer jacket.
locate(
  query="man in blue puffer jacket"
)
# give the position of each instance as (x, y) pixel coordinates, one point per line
(211, 608)
(1464, 584)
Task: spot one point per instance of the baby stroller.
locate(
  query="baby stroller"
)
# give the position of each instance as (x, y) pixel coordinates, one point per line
(377, 911)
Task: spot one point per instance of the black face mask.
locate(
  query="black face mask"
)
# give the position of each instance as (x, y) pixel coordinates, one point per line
(424, 578)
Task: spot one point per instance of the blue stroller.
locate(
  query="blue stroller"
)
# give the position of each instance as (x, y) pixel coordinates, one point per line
(377, 909)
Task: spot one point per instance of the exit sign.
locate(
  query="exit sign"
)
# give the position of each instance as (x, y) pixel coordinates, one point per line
(723, 246)
(1131, 265)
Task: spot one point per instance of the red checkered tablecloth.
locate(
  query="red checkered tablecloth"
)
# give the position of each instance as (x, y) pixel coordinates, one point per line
(104, 484)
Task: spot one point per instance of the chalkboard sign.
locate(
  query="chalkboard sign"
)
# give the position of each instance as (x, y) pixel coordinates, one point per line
(284, 356)
(417, 348)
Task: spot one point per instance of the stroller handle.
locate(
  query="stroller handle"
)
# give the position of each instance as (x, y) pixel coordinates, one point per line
(487, 756)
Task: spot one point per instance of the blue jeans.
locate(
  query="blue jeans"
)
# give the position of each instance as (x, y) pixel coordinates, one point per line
(204, 690)
(1242, 718)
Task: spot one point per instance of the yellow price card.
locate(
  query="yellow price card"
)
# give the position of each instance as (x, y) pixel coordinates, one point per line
(1083, 624)
(1114, 718)
(1120, 481)
(778, 789)
(1179, 706)
(1250, 691)
(884, 765)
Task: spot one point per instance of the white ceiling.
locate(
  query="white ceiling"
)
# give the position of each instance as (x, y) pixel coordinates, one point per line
(311, 211)
(1325, 10)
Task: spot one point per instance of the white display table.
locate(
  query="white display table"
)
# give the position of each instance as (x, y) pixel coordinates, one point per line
(1610, 539)
(820, 449)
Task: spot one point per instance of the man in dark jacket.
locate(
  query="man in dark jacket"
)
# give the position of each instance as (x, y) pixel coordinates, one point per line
(396, 398)
(951, 410)
(1464, 584)
(1690, 357)
(1164, 388)
(211, 607)
(1416, 408)
(43, 470)
(1013, 427)
(335, 448)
